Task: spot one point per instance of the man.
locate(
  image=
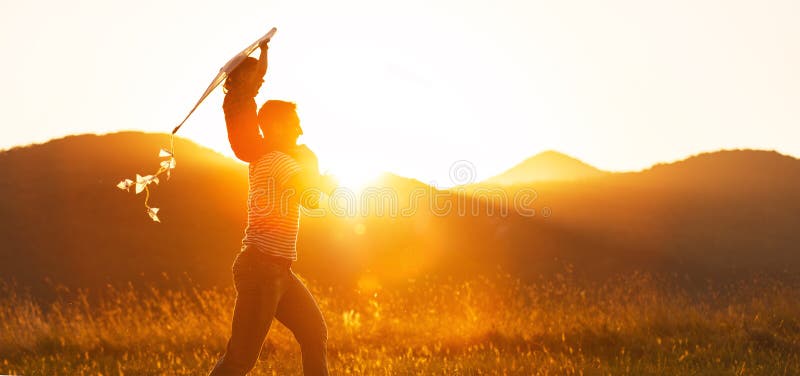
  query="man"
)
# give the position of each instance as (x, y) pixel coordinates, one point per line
(281, 174)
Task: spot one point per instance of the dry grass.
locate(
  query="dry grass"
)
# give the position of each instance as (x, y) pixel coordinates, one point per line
(635, 325)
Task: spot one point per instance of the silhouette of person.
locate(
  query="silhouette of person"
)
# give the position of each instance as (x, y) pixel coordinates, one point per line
(282, 177)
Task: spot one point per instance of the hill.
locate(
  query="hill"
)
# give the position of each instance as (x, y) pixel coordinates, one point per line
(546, 166)
(721, 213)
(716, 215)
(64, 219)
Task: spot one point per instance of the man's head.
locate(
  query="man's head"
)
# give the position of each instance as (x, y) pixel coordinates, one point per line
(279, 122)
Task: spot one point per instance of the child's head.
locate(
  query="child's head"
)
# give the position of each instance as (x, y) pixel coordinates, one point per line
(279, 122)
(244, 79)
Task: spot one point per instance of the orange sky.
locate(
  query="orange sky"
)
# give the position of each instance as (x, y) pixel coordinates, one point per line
(413, 86)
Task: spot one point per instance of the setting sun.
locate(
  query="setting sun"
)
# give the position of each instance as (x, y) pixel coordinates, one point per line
(353, 178)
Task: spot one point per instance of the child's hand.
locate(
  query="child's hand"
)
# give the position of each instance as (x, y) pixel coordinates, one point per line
(306, 158)
(262, 59)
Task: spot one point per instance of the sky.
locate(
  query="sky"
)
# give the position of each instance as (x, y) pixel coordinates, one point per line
(414, 87)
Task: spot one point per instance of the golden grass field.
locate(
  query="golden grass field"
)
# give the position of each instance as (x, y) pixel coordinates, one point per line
(634, 325)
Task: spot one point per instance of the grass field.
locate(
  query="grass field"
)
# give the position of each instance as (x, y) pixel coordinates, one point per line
(635, 325)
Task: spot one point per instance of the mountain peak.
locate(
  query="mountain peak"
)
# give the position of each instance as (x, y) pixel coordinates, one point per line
(551, 154)
(549, 165)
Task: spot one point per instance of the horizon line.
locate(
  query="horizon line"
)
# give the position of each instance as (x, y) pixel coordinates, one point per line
(535, 154)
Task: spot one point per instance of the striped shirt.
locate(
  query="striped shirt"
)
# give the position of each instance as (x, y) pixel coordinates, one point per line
(273, 209)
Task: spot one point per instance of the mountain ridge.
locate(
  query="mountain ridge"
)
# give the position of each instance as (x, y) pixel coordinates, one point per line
(543, 156)
(63, 218)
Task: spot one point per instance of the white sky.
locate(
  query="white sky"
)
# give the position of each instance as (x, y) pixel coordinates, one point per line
(413, 86)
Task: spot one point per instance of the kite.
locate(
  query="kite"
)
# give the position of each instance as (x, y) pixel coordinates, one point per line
(141, 184)
(226, 69)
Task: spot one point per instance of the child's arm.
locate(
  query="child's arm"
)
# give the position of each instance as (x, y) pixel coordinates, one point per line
(241, 118)
(262, 58)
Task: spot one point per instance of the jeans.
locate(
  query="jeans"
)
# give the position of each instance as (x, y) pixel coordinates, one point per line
(266, 289)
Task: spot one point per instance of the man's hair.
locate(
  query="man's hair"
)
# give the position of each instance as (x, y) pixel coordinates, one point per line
(275, 113)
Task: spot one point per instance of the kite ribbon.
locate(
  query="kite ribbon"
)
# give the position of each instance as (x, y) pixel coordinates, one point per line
(225, 70)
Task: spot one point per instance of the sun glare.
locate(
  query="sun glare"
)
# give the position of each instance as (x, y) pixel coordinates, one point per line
(354, 178)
